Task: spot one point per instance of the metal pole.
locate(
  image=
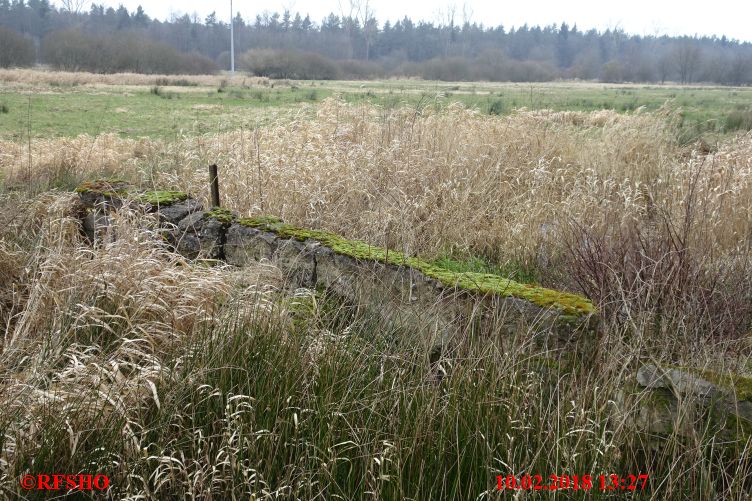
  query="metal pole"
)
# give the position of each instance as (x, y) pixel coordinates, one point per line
(232, 41)
(214, 183)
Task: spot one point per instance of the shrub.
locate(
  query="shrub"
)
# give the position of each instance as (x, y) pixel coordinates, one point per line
(739, 120)
(496, 108)
(612, 72)
(360, 70)
(450, 69)
(157, 91)
(284, 63)
(74, 51)
(15, 49)
(177, 82)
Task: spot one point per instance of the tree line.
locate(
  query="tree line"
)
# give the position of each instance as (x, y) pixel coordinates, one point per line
(354, 44)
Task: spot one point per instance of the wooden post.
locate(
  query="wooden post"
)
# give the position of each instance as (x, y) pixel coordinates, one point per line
(214, 183)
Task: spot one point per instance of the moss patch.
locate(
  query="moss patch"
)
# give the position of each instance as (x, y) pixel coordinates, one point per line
(733, 423)
(659, 397)
(740, 386)
(106, 187)
(162, 198)
(515, 270)
(221, 214)
(119, 188)
(570, 304)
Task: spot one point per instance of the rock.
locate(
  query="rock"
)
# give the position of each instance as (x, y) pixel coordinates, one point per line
(178, 211)
(297, 262)
(245, 245)
(199, 235)
(651, 376)
(104, 192)
(191, 222)
(97, 200)
(94, 225)
(689, 402)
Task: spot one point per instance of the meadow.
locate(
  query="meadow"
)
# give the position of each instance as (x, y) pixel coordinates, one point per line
(178, 379)
(57, 104)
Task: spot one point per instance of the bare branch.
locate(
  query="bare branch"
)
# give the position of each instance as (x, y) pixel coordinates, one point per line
(73, 6)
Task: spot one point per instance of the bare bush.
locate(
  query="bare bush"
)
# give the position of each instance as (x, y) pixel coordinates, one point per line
(663, 273)
(15, 49)
(284, 63)
(73, 50)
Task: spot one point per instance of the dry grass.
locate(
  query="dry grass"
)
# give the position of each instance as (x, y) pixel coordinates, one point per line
(87, 330)
(431, 181)
(183, 380)
(70, 78)
(510, 190)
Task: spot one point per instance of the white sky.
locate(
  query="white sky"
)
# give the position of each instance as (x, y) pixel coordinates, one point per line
(732, 18)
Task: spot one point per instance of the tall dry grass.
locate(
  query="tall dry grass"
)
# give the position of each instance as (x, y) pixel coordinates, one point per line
(510, 190)
(188, 381)
(431, 181)
(183, 380)
(72, 78)
(419, 179)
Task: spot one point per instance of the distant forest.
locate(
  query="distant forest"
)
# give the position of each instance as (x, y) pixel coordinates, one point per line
(354, 44)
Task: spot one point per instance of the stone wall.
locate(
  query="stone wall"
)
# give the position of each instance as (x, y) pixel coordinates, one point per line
(430, 302)
(433, 303)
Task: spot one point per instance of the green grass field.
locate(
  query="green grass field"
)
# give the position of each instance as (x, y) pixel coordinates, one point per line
(171, 111)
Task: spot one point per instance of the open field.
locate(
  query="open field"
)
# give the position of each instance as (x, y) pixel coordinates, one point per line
(178, 379)
(64, 104)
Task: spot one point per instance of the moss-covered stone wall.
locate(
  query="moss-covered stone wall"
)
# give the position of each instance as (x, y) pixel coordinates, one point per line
(426, 296)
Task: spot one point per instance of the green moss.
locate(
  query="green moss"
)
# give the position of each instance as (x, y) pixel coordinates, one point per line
(106, 187)
(162, 198)
(515, 270)
(736, 424)
(486, 283)
(660, 397)
(221, 214)
(738, 385)
(259, 221)
(119, 188)
(649, 397)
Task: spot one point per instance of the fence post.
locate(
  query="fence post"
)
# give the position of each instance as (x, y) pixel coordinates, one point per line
(214, 183)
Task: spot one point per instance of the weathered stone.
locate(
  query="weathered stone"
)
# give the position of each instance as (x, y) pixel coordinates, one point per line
(94, 225)
(103, 193)
(297, 262)
(97, 200)
(672, 400)
(178, 211)
(651, 376)
(199, 236)
(400, 295)
(245, 245)
(191, 222)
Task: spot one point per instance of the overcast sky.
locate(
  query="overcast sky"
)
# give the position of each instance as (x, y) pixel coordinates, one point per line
(732, 18)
